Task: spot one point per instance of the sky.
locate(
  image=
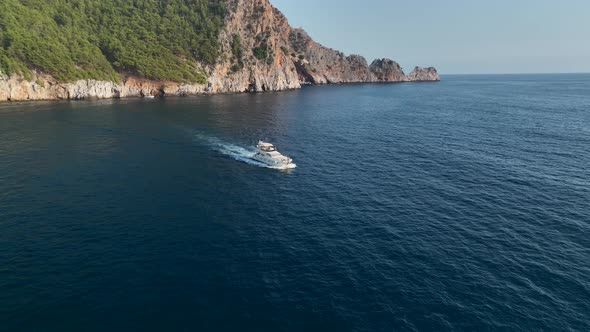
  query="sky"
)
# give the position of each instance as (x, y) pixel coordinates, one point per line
(456, 36)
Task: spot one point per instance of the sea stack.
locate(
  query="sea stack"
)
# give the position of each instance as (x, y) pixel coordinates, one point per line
(420, 74)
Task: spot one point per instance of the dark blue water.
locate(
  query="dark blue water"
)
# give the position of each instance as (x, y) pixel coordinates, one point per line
(460, 205)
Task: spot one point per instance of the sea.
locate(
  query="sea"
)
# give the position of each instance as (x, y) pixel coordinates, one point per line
(462, 205)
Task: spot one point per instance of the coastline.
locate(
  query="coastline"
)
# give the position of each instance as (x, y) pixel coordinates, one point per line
(258, 50)
(45, 88)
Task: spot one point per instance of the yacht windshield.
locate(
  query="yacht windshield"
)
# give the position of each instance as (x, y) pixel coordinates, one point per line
(267, 147)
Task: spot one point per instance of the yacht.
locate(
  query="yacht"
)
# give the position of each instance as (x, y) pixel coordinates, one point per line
(267, 153)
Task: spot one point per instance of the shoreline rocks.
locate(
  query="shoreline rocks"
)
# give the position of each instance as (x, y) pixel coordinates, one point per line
(44, 87)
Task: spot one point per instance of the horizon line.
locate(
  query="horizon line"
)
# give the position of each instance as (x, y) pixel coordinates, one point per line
(537, 73)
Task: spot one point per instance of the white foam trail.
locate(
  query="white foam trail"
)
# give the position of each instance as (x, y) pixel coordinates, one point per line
(237, 152)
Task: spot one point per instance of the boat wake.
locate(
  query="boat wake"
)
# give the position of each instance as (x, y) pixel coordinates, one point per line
(237, 152)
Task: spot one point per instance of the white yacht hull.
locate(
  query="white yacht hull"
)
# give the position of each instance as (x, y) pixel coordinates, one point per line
(274, 162)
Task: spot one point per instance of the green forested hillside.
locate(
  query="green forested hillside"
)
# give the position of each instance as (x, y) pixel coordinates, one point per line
(76, 39)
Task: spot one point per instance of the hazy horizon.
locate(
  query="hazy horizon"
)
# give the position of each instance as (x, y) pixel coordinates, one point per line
(457, 36)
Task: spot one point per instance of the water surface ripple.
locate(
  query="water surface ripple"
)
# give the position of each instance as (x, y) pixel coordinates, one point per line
(457, 206)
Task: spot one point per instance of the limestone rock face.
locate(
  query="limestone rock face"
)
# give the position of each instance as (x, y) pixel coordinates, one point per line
(424, 74)
(317, 64)
(16, 88)
(387, 70)
(44, 87)
(261, 27)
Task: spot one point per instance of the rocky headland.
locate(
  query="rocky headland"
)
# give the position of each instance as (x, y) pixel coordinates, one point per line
(259, 51)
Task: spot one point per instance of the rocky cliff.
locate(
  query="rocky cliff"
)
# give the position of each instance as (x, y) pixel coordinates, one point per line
(259, 51)
(45, 87)
(317, 64)
(424, 74)
(387, 70)
(253, 44)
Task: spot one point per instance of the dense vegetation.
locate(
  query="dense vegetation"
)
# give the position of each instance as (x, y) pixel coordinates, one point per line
(76, 39)
(260, 52)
